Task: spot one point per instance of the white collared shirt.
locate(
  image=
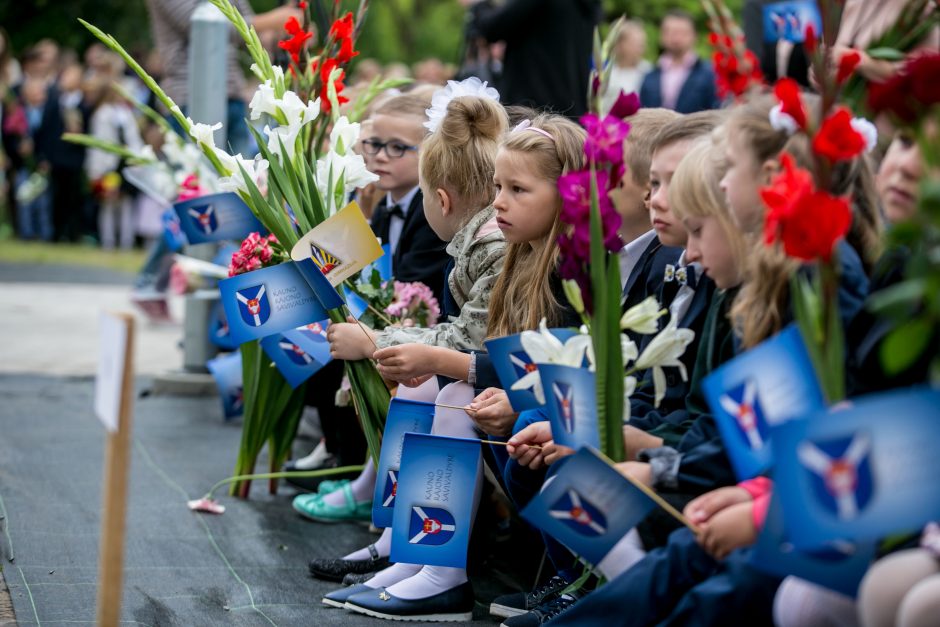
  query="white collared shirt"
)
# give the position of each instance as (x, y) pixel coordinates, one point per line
(683, 300)
(396, 224)
(630, 255)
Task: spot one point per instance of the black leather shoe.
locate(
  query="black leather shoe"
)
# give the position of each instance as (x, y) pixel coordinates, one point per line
(454, 605)
(353, 579)
(336, 569)
(337, 598)
(521, 602)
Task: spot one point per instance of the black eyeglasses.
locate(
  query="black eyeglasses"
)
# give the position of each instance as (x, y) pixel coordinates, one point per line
(395, 150)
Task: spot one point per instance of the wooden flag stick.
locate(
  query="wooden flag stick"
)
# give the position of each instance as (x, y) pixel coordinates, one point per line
(497, 442)
(117, 457)
(672, 511)
(461, 408)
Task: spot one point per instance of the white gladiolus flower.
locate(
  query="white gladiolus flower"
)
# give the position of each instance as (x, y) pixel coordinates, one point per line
(343, 136)
(203, 133)
(544, 348)
(256, 170)
(351, 167)
(641, 318)
(228, 161)
(296, 112)
(629, 387)
(286, 135)
(264, 101)
(628, 348)
(665, 350)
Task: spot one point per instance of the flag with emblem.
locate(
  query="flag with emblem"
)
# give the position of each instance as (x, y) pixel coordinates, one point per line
(294, 363)
(764, 387)
(512, 362)
(218, 329)
(268, 301)
(404, 416)
(382, 265)
(861, 472)
(226, 371)
(329, 297)
(838, 566)
(172, 231)
(312, 339)
(340, 246)
(216, 218)
(571, 404)
(588, 506)
(435, 501)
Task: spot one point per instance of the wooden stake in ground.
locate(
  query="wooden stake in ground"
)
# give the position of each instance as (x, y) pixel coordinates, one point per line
(114, 405)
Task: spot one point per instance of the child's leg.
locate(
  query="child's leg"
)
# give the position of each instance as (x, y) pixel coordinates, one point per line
(43, 214)
(887, 583)
(126, 204)
(106, 224)
(800, 602)
(456, 423)
(921, 606)
(24, 216)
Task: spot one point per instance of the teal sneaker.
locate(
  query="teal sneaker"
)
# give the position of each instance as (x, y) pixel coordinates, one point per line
(314, 507)
(331, 485)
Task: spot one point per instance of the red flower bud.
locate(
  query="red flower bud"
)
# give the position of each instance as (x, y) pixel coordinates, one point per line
(847, 65)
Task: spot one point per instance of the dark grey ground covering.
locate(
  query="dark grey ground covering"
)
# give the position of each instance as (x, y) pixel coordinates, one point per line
(246, 567)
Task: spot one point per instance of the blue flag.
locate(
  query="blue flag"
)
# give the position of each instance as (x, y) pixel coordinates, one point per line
(511, 363)
(588, 506)
(787, 21)
(839, 567)
(294, 363)
(383, 264)
(321, 286)
(758, 390)
(223, 257)
(357, 305)
(571, 400)
(268, 301)
(312, 339)
(218, 329)
(403, 417)
(227, 372)
(436, 500)
(861, 473)
(172, 231)
(216, 217)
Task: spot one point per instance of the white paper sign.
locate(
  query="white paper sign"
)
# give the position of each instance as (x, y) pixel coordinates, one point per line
(112, 340)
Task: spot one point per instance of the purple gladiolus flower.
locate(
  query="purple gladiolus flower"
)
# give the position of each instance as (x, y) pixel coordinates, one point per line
(626, 105)
(604, 143)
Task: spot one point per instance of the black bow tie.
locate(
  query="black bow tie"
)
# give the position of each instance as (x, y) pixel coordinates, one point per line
(396, 210)
(682, 275)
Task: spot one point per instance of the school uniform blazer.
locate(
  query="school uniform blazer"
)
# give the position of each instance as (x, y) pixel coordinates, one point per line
(421, 255)
(646, 278)
(698, 93)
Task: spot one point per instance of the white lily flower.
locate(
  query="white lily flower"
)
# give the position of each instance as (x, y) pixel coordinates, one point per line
(263, 101)
(641, 318)
(203, 133)
(544, 348)
(629, 387)
(286, 135)
(665, 350)
(344, 135)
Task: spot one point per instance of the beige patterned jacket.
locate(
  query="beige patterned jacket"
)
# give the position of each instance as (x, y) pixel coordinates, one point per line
(478, 250)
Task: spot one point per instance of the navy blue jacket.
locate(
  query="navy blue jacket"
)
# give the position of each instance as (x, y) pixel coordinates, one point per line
(646, 278)
(698, 93)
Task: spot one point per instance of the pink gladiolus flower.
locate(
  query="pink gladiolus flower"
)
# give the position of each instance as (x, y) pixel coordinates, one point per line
(626, 105)
(604, 143)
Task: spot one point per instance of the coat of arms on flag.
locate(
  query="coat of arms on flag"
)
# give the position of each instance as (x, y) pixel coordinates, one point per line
(430, 525)
(325, 260)
(522, 363)
(743, 404)
(237, 399)
(204, 218)
(579, 514)
(840, 473)
(391, 489)
(315, 331)
(563, 394)
(253, 305)
(295, 353)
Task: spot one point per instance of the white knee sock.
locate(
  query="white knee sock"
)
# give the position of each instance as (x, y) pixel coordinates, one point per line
(424, 392)
(454, 422)
(383, 546)
(430, 581)
(393, 574)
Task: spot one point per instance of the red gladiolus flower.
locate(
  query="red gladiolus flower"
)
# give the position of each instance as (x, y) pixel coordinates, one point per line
(837, 140)
(328, 66)
(787, 92)
(298, 40)
(911, 92)
(847, 65)
(806, 220)
(810, 39)
(342, 31)
(734, 75)
(302, 5)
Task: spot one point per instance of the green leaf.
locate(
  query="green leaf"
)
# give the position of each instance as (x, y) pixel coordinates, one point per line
(900, 296)
(905, 344)
(885, 54)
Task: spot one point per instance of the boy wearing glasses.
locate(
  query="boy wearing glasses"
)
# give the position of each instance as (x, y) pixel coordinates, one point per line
(391, 152)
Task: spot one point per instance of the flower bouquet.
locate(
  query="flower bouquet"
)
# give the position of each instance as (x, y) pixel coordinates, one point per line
(737, 69)
(295, 184)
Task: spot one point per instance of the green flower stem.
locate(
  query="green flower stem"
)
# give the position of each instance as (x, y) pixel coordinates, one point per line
(115, 149)
(283, 475)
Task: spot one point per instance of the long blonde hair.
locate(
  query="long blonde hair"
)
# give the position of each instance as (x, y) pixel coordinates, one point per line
(762, 305)
(695, 191)
(459, 155)
(522, 295)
